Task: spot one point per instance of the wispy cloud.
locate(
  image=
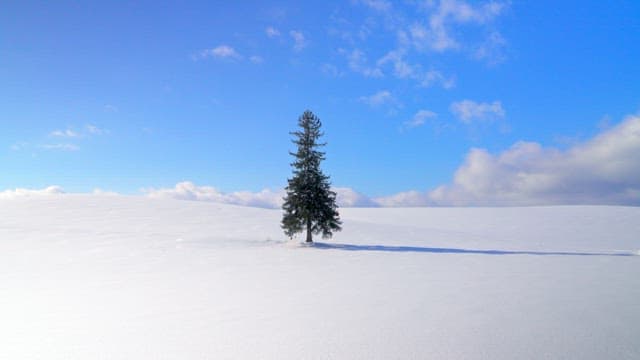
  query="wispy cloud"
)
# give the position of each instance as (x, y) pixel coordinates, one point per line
(65, 140)
(419, 119)
(299, 40)
(436, 77)
(378, 5)
(402, 69)
(469, 111)
(85, 131)
(256, 59)
(20, 145)
(357, 61)
(383, 97)
(226, 52)
(219, 52)
(436, 34)
(68, 133)
(330, 70)
(349, 31)
(438, 27)
(272, 32)
(60, 147)
(492, 49)
(94, 130)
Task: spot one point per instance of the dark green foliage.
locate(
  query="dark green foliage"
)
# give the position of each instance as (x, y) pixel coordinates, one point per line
(309, 204)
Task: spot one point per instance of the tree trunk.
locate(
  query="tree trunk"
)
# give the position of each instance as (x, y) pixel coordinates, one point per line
(309, 230)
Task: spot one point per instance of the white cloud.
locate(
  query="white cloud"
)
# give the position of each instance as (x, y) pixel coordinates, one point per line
(299, 41)
(272, 32)
(383, 97)
(67, 134)
(491, 50)
(401, 69)
(272, 199)
(468, 111)
(602, 170)
(436, 34)
(405, 70)
(219, 52)
(435, 38)
(357, 61)
(60, 146)
(347, 197)
(189, 191)
(94, 130)
(224, 51)
(64, 133)
(50, 190)
(350, 31)
(267, 198)
(435, 77)
(463, 12)
(419, 119)
(21, 145)
(20, 192)
(379, 5)
(330, 70)
(88, 129)
(404, 199)
(256, 59)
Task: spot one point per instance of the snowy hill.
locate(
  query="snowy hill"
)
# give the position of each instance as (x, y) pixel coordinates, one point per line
(115, 277)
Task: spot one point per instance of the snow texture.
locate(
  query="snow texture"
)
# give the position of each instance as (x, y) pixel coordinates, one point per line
(117, 277)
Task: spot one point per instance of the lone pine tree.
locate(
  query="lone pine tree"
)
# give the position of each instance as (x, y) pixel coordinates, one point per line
(309, 204)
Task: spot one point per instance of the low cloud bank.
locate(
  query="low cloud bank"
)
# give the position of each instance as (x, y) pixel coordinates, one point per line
(347, 197)
(19, 192)
(266, 198)
(604, 170)
(187, 190)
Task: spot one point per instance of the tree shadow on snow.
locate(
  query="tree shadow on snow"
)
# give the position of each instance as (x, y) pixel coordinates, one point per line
(435, 250)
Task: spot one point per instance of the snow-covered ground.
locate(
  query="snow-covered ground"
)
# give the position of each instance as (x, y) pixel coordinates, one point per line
(115, 277)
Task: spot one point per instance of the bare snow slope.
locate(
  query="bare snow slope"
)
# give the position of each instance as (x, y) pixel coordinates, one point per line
(113, 277)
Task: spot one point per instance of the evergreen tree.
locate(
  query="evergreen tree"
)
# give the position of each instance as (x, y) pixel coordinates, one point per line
(309, 204)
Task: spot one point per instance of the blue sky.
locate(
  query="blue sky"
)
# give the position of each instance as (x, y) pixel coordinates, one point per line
(123, 96)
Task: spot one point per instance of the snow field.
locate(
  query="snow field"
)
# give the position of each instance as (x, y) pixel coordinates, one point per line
(115, 277)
